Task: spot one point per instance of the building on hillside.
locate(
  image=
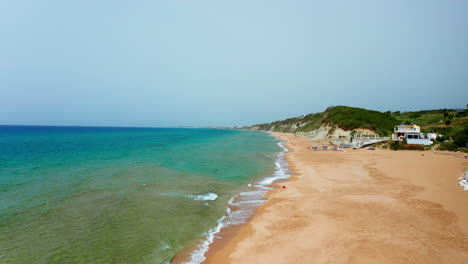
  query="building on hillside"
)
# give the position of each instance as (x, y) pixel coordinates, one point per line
(401, 130)
(433, 136)
(411, 133)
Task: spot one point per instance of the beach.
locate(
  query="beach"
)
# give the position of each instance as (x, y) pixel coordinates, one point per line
(359, 206)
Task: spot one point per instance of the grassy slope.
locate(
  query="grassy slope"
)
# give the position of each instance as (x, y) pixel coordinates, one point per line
(452, 124)
(345, 117)
(349, 118)
(428, 118)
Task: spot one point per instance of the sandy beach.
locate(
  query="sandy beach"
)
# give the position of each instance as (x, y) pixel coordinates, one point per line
(358, 206)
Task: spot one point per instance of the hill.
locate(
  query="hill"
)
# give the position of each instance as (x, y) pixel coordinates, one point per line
(453, 124)
(337, 123)
(432, 118)
(337, 117)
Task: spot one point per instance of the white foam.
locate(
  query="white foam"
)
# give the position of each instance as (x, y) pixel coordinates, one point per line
(250, 205)
(231, 201)
(263, 187)
(201, 197)
(198, 256)
(252, 193)
(464, 181)
(165, 246)
(204, 197)
(281, 145)
(238, 216)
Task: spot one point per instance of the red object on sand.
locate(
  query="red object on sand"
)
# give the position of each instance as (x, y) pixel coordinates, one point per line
(284, 187)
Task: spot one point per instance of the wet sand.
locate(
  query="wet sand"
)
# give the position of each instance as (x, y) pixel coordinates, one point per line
(361, 206)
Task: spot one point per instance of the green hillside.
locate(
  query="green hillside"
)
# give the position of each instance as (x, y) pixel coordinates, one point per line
(450, 123)
(453, 124)
(349, 118)
(432, 118)
(345, 117)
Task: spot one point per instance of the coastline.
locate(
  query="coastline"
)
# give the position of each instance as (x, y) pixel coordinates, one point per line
(356, 207)
(239, 211)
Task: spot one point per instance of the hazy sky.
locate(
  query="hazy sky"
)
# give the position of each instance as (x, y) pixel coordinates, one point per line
(215, 62)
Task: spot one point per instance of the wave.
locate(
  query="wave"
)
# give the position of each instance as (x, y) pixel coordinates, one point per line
(204, 197)
(201, 197)
(242, 206)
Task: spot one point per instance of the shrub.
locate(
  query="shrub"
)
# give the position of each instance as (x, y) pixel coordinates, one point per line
(450, 146)
(445, 112)
(415, 115)
(465, 150)
(413, 147)
(396, 145)
(460, 137)
(351, 117)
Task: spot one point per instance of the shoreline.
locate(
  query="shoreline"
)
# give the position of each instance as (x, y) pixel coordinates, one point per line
(228, 225)
(230, 237)
(386, 204)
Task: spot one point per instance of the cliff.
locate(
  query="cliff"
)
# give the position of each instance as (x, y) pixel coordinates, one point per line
(335, 125)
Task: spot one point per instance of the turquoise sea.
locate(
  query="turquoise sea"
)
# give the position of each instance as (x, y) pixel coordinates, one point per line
(122, 195)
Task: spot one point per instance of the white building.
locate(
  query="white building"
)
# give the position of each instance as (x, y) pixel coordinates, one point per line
(412, 134)
(433, 136)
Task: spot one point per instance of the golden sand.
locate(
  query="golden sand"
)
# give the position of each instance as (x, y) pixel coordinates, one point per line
(361, 206)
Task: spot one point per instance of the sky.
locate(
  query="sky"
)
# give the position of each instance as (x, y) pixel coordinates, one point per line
(215, 63)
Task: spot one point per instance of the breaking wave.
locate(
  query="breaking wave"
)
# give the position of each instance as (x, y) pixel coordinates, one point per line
(242, 206)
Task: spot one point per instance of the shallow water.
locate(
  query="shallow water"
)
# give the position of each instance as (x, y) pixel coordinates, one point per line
(119, 195)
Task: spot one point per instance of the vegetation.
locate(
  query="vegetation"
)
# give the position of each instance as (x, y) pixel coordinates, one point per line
(347, 118)
(448, 146)
(429, 118)
(455, 134)
(311, 122)
(350, 118)
(452, 124)
(396, 145)
(414, 147)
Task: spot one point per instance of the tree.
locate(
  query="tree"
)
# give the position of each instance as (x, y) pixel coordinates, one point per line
(450, 146)
(461, 137)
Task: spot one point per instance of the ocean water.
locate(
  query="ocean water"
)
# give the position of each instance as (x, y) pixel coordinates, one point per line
(126, 195)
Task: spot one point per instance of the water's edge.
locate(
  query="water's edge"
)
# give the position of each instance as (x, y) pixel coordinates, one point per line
(241, 207)
(94, 191)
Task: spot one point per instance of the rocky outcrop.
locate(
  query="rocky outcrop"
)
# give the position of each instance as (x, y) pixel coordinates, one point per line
(327, 134)
(335, 125)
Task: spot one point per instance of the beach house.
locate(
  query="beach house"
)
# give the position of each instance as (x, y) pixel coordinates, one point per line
(433, 135)
(411, 133)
